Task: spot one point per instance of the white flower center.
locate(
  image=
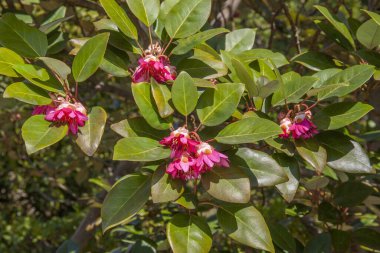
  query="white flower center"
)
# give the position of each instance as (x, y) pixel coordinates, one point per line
(181, 130)
(204, 148)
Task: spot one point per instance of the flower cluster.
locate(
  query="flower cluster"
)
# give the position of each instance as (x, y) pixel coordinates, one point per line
(301, 127)
(154, 65)
(191, 158)
(65, 113)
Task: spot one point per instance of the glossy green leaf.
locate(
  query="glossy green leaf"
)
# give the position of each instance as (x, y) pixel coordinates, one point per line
(315, 60)
(341, 240)
(145, 10)
(186, 44)
(39, 77)
(164, 188)
(282, 238)
(314, 153)
(240, 40)
(246, 225)
(162, 96)
(55, 19)
(139, 149)
(189, 234)
(187, 17)
(368, 34)
(125, 198)
(248, 130)
(89, 57)
(375, 16)
(137, 127)
(197, 68)
(227, 184)
(184, 94)
(283, 145)
(22, 38)
(324, 91)
(293, 89)
(142, 95)
(338, 25)
(249, 56)
(8, 59)
(114, 64)
(57, 66)
(355, 76)
(344, 154)
(118, 15)
(217, 105)
(244, 75)
(39, 134)
(90, 135)
(324, 75)
(351, 193)
(208, 56)
(262, 169)
(27, 93)
(340, 114)
(288, 189)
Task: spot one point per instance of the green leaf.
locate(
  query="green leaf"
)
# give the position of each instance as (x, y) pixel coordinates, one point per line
(142, 95)
(184, 94)
(262, 169)
(162, 95)
(54, 20)
(314, 60)
(137, 127)
(39, 77)
(39, 134)
(186, 17)
(319, 243)
(91, 134)
(145, 10)
(118, 15)
(248, 130)
(283, 145)
(217, 105)
(126, 197)
(8, 59)
(355, 76)
(341, 240)
(57, 66)
(328, 213)
(227, 184)
(27, 93)
(282, 238)
(368, 34)
(344, 154)
(197, 68)
(374, 16)
(186, 44)
(140, 149)
(207, 56)
(244, 75)
(246, 225)
(288, 189)
(351, 193)
(89, 57)
(164, 188)
(367, 237)
(22, 38)
(189, 234)
(338, 25)
(340, 114)
(312, 152)
(324, 91)
(240, 40)
(293, 89)
(114, 64)
(324, 75)
(249, 56)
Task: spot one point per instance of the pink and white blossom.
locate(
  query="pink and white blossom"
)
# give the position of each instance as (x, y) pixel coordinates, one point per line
(300, 128)
(183, 168)
(208, 157)
(157, 67)
(179, 141)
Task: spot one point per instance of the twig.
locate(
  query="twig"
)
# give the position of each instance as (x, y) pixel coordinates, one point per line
(293, 27)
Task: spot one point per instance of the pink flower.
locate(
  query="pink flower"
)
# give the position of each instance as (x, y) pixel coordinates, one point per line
(208, 157)
(179, 141)
(302, 127)
(183, 168)
(157, 67)
(73, 115)
(42, 109)
(285, 124)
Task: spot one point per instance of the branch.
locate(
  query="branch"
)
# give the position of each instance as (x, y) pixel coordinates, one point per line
(293, 27)
(85, 4)
(226, 13)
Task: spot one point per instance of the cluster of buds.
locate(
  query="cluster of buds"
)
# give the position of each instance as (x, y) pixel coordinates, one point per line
(63, 112)
(299, 127)
(191, 157)
(154, 65)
